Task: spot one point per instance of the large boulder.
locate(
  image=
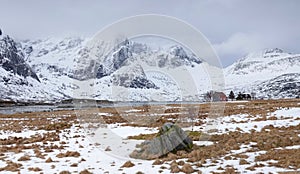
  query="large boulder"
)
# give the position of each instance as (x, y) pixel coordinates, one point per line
(171, 138)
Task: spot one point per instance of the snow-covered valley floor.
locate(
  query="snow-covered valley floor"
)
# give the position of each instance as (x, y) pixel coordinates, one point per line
(249, 137)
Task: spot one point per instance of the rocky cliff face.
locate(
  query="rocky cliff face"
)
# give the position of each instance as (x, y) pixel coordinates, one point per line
(132, 77)
(12, 59)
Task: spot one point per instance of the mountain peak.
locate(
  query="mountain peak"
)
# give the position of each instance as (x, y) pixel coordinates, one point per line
(268, 54)
(273, 50)
(271, 59)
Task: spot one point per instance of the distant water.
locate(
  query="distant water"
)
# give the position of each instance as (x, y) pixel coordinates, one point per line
(48, 108)
(22, 109)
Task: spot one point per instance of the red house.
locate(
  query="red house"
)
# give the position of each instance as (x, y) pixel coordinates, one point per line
(216, 96)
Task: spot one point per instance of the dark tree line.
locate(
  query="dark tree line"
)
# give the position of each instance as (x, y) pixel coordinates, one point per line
(231, 95)
(240, 96)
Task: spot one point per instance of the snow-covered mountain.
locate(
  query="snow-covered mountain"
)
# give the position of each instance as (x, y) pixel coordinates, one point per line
(35, 70)
(69, 67)
(269, 73)
(55, 69)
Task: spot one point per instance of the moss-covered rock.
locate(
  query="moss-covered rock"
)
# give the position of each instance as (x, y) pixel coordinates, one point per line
(171, 138)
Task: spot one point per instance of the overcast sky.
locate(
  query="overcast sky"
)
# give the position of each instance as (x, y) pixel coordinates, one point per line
(234, 27)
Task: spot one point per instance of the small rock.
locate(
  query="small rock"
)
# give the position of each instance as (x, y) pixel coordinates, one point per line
(107, 148)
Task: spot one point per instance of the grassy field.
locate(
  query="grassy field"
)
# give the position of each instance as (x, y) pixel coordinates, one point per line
(241, 137)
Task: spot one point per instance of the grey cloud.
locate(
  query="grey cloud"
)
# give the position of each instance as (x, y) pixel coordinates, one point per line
(234, 27)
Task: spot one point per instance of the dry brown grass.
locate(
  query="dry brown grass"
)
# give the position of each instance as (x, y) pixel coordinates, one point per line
(142, 118)
(127, 164)
(37, 120)
(143, 136)
(55, 122)
(286, 158)
(68, 154)
(24, 158)
(85, 172)
(11, 166)
(34, 169)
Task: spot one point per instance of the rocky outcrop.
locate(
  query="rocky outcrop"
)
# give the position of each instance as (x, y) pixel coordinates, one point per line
(171, 138)
(286, 85)
(176, 56)
(12, 59)
(181, 54)
(132, 77)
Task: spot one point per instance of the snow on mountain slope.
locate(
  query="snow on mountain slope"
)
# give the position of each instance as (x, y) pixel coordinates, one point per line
(55, 69)
(70, 68)
(53, 61)
(141, 78)
(264, 73)
(18, 88)
(128, 73)
(60, 52)
(18, 80)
